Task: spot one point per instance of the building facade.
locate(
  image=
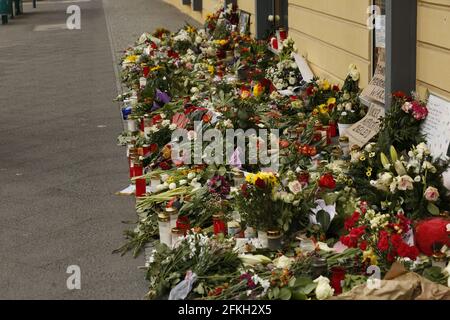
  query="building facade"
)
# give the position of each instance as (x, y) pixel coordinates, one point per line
(332, 34)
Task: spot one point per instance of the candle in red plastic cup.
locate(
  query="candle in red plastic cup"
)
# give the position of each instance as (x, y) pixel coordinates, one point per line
(140, 183)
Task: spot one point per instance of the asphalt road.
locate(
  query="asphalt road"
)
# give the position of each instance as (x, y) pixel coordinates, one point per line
(59, 163)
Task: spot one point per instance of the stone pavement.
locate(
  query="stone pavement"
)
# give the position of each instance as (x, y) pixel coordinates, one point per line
(59, 164)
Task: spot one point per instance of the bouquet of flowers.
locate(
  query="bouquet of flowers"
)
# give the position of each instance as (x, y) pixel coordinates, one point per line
(401, 125)
(196, 253)
(383, 238)
(285, 75)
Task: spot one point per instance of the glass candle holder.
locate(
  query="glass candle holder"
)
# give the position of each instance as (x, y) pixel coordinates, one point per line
(319, 267)
(344, 143)
(173, 214)
(337, 276)
(274, 239)
(234, 228)
(219, 224)
(177, 235)
(141, 185)
(238, 178)
(165, 235)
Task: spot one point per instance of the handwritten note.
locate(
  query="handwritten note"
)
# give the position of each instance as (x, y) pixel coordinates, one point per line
(363, 131)
(375, 91)
(436, 127)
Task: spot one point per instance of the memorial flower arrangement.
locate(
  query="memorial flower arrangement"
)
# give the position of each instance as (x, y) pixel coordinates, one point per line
(401, 125)
(348, 108)
(306, 230)
(382, 238)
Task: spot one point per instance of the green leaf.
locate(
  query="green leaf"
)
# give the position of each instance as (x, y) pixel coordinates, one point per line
(324, 219)
(292, 282)
(309, 288)
(276, 292)
(433, 209)
(299, 295)
(302, 282)
(285, 294)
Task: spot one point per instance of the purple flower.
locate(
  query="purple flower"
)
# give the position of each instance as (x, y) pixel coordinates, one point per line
(219, 185)
(162, 97)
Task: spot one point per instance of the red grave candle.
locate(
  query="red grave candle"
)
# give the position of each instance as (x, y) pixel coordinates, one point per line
(219, 224)
(337, 276)
(140, 183)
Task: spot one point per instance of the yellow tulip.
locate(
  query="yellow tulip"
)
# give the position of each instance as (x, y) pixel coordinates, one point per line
(326, 85)
(323, 108)
(371, 256)
(258, 90)
(131, 59)
(331, 101)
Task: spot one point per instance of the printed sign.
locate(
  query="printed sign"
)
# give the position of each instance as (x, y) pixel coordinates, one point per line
(363, 131)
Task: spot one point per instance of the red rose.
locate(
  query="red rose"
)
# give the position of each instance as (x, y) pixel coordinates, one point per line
(399, 95)
(336, 88)
(350, 222)
(407, 251)
(396, 241)
(146, 71)
(164, 165)
(391, 256)
(260, 183)
(383, 241)
(310, 90)
(327, 181)
(156, 119)
(363, 245)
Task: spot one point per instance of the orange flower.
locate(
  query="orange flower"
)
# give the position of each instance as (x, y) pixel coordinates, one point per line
(206, 118)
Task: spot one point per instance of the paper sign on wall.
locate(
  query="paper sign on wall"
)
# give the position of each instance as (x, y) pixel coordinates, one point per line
(436, 127)
(380, 31)
(304, 68)
(364, 130)
(375, 91)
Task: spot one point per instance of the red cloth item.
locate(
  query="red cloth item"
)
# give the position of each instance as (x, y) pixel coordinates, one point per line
(430, 232)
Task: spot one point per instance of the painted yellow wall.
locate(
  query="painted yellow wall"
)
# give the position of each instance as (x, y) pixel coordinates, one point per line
(250, 7)
(209, 6)
(332, 35)
(433, 47)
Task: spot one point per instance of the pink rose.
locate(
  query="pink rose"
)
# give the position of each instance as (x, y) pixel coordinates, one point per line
(407, 106)
(431, 194)
(295, 186)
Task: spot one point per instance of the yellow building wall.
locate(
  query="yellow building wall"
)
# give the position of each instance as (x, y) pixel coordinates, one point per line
(433, 47)
(209, 6)
(332, 35)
